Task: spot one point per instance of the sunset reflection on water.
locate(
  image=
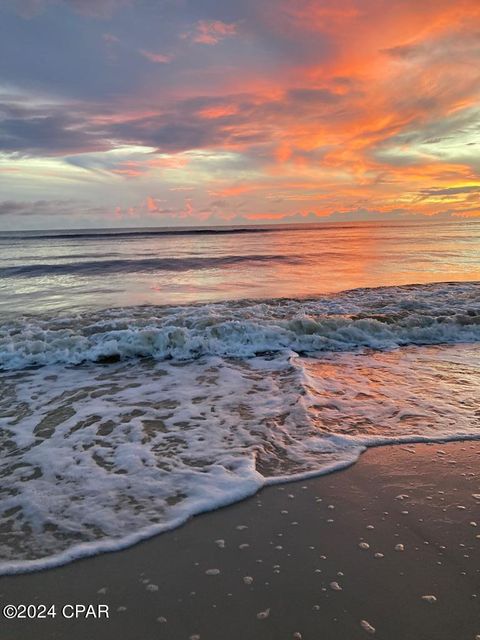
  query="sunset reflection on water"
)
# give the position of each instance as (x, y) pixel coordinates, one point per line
(118, 270)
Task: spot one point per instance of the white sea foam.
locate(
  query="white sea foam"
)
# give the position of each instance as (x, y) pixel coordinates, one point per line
(377, 318)
(99, 456)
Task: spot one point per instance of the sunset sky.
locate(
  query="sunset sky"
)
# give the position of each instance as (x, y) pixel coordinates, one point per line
(197, 112)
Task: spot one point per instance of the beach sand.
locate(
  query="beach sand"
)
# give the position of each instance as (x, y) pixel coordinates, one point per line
(298, 560)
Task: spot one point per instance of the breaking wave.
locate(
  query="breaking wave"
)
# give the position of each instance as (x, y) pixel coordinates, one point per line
(376, 318)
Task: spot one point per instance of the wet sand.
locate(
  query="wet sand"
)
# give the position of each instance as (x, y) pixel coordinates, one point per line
(296, 561)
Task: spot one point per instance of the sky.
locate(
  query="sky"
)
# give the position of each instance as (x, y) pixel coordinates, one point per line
(118, 113)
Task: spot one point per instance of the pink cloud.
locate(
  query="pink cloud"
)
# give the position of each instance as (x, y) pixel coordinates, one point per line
(158, 58)
(152, 206)
(212, 31)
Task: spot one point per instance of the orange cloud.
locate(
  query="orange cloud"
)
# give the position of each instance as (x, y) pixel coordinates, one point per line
(169, 162)
(211, 113)
(152, 205)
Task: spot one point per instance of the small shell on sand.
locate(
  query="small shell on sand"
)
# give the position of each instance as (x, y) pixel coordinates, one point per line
(102, 591)
(247, 579)
(241, 527)
(399, 547)
(297, 635)
(195, 637)
(244, 545)
(402, 496)
(364, 545)
(378, 555)
(366, 626)
(262, 615)
(429, 598)
(212, 572)
(220, 544)
(161, 619)
(151, 587)
(335, 586)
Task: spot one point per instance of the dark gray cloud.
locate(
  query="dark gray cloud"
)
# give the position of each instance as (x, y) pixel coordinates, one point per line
(450, 191)
(45, 132)
(182, 125)
(314, 96)
(37, 207)
(404, 51)
(66, 130)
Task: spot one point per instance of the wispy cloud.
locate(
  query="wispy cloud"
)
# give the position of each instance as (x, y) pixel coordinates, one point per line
(211, 32)
(159, 58)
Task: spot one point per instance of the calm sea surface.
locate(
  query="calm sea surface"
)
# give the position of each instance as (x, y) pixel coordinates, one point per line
(41, 272)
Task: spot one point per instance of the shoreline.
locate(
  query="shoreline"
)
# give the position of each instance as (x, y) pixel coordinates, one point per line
(82, 552)
(295, 558)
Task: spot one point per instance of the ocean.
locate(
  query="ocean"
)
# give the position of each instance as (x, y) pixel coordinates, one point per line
(150, 375)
